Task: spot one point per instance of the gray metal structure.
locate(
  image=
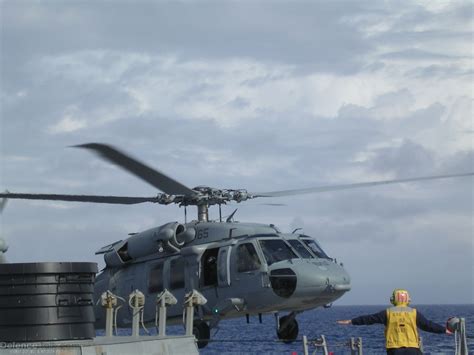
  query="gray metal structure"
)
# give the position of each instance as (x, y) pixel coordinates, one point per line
(3, 250)
(3, 243)
(74, 343)
(241, 269)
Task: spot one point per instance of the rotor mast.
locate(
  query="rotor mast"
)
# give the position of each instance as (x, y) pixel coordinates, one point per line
(203, 212)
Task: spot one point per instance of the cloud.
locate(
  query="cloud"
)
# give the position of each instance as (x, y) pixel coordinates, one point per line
(67, 124)
(407, 159)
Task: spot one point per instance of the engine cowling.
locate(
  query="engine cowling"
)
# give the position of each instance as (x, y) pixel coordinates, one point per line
(171, 237)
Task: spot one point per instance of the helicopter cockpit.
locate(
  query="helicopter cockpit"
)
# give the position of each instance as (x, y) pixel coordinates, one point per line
(276, 250)
(314, 246)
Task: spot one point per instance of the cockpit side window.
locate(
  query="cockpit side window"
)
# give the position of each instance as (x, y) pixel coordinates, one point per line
(177, 273)
(276, 250)
(155, 278)
(300, 249)
(247, 258)
(316, 249)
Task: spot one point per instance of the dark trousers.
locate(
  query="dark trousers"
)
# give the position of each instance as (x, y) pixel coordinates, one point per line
(404, 351)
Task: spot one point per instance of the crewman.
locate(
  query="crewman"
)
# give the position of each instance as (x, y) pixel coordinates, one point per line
(401, 323)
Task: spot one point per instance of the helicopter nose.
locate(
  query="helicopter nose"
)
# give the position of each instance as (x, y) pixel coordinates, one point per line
(322, 282)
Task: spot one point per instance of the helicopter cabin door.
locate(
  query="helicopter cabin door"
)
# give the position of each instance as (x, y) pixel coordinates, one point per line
(247, 269)
(223, 267)
(214, 275)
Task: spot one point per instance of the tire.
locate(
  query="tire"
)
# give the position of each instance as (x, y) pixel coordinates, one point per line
(287, 330)
(202, 332)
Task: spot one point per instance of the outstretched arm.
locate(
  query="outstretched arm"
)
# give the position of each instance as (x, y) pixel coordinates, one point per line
(380, 317)
(429, 326)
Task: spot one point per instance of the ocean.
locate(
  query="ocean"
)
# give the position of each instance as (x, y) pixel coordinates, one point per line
(235, 336)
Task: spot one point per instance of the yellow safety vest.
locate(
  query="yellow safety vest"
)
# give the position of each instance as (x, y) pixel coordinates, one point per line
(401, 330)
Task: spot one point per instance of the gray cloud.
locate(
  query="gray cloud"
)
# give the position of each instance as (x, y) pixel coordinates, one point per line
(306, 34)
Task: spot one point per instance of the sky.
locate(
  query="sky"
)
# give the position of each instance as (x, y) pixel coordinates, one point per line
(258, 95)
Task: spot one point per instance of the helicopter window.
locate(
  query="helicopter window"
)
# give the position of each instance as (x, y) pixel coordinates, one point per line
(247, 258)
(300, 249)
(177, 273)
(209, 267)
(155, 280)
(316, 249)
(123, 253)
(276, 250)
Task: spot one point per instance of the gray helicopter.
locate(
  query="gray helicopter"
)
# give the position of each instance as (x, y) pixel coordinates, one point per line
(242, 269)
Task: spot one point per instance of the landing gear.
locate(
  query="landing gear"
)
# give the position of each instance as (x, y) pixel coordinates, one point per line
(288, 328)
(202, 333)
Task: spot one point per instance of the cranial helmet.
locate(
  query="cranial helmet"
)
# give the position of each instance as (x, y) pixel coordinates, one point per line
(400, 297)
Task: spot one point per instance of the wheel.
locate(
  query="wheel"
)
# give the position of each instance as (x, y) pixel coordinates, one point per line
(202, 333)
(288, 329)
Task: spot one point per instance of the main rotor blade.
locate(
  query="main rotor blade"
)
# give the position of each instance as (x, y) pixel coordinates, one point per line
(139, 169)
(121, 200)
(352, 186)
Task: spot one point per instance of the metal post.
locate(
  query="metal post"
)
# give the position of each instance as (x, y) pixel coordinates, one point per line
(109, 321)
(461, 338)
(189, 319)
(162, 324)
(317, 343)
(164, 299)
(352, 346)
(191, 299)
(325, 345)
(305, 345)
(136, 302)
(356, 346)
(135, 320)
(109, 301)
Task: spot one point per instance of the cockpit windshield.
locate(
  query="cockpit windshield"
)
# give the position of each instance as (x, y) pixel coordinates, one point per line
(276, 250)
(300, 249)
(315, 248)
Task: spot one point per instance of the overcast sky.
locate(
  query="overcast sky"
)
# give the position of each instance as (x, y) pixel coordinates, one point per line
(245, 94)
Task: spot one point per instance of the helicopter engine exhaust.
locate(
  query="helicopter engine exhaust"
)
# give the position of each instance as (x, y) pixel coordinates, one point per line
(171, 236)
(185, 236)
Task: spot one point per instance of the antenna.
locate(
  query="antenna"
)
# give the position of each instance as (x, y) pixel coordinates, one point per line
(229, 219)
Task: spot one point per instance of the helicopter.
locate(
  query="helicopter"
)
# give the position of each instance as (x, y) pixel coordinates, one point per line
(242, 269)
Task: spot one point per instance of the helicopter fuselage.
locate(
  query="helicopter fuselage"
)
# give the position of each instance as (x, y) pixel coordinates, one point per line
(241, 268)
